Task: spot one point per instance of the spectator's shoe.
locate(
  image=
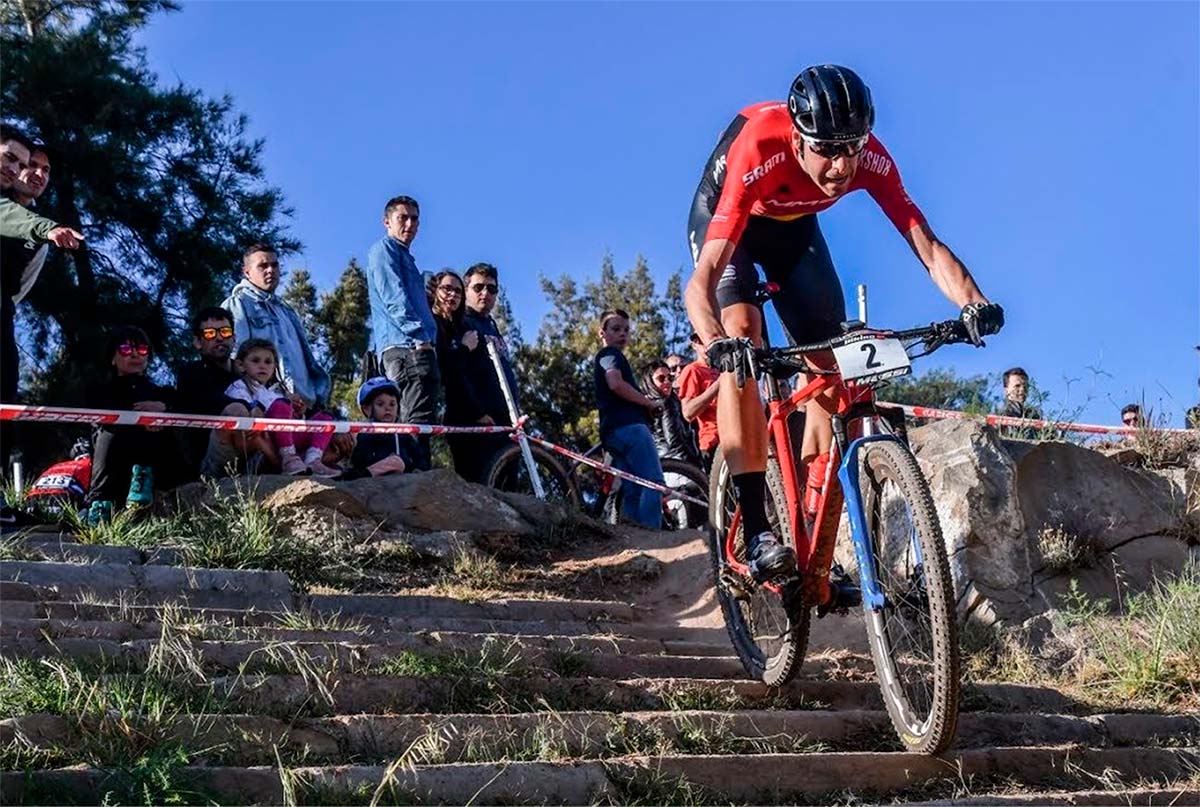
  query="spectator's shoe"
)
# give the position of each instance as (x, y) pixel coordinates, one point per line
(844, 593)
(12, 518)
(320, 469)
(100, 512)
(293, 465)
(769, 558)
(141, 487)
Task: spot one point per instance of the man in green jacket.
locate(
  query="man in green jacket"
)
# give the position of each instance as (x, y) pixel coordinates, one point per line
(21, 230)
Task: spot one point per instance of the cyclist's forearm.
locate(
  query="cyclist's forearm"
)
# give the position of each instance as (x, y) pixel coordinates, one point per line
(944, 267)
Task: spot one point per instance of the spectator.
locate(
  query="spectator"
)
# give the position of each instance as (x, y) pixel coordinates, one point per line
(483, 290)
(260, 389)
(201, 389)
(379, 454)
(403, 333)
(1131, 416)
(698, 393)
(259, 313)
(624, 411)
(675, 365)
(470, 452)
(29, 187)
(21, 235)
(1016, 393)
(672, 434)
(127, 461)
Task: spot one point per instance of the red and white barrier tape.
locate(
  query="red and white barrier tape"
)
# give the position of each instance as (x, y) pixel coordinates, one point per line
(669, 493)
(118, 417)
(1005, 420)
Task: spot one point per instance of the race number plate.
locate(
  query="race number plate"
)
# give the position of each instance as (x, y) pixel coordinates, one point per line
(872, 359)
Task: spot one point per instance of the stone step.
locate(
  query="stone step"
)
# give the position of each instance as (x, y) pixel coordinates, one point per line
(768, 778)
(123, 631)
(31, 608)
(420, 605)
(360, 656)
(286, 695)
(56, 549)
(198, 587)
(251, 739)
(1144, 797)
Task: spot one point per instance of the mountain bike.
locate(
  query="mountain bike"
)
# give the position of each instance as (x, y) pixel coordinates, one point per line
(507, 470)
(907, 593)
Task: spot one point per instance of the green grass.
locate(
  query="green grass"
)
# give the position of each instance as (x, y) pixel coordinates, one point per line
(232, 532)
(1151, 651)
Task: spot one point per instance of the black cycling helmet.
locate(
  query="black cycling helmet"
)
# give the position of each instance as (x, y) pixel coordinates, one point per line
(372, 387)
(828, 102)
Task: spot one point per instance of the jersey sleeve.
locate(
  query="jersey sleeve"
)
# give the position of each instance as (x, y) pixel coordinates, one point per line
(884, 185)
(733, 208)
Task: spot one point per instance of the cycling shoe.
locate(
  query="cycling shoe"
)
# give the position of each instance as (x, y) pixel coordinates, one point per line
(769, 558)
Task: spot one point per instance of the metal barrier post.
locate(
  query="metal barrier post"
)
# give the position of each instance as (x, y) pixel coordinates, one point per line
(526, 453)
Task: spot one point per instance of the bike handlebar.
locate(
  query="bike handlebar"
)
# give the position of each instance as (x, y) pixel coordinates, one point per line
(934, 335)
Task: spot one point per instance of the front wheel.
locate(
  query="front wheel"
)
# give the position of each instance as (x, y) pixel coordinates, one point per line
(508, 471)
(769, 632)
(914, 636)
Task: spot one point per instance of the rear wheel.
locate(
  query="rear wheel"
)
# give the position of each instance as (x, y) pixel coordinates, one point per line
(768, 636)
(507, 471)
(914, 637)
(677, 513)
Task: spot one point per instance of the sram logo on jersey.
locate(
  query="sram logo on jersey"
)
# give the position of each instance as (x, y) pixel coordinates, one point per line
(762, 170)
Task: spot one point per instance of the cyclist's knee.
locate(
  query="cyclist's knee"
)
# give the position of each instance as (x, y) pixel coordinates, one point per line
(742, 320)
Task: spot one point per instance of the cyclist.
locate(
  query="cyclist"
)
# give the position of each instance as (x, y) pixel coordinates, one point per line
(774, 168)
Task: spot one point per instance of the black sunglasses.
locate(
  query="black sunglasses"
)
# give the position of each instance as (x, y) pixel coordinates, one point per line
(479, 287)
(831, 149)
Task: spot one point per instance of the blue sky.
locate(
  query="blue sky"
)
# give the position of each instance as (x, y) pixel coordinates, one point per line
(1054, 147)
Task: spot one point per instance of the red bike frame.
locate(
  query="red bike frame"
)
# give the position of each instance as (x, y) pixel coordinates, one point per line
(813, 557)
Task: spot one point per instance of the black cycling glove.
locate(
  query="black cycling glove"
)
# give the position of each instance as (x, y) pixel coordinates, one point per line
(730, 355)
(980, 320)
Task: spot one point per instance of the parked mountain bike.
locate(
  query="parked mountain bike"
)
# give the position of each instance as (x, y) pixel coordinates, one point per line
(600, 492)
(508, 470)
(907, 593)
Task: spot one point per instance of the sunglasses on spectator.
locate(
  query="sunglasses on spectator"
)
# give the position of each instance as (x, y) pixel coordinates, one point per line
(209, 334)
(661, 377)
(1130, 421)
(129, 348)
(478, 288)
(450, 289)
(831, 149)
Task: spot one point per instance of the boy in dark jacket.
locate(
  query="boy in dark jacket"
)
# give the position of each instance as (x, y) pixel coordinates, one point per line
(379, 454)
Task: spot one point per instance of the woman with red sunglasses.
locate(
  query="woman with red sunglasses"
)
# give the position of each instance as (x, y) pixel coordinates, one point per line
(127, 460)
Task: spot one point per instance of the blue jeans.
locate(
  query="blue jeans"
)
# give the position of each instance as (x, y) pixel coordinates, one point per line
(633, 451)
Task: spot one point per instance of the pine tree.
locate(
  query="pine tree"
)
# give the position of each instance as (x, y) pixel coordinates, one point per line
(161, 179)
(556, 370)
(301, 295)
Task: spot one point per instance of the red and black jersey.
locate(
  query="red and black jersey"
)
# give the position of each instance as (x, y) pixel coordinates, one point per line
(759, 175)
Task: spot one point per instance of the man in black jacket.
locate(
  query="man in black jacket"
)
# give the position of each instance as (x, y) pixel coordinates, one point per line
(201, 385)
(482, 283)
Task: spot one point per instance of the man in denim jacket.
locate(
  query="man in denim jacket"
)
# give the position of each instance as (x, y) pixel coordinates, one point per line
(403, 333)
(259, 313)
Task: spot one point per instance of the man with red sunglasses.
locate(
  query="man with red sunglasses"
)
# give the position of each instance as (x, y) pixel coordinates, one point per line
(774, 168)
(201, 388)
